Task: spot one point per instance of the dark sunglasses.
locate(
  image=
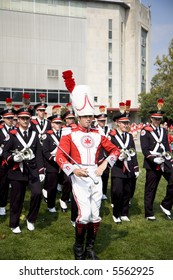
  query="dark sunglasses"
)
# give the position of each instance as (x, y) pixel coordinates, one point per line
(157, 119)
(24, 118)
(8, 118)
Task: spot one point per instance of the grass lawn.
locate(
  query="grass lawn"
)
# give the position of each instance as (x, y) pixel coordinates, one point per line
(54, 235)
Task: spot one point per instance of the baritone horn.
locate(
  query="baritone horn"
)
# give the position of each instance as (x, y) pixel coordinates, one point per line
(26, 153)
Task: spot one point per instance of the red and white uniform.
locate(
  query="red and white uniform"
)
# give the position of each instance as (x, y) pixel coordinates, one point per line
(83, 145)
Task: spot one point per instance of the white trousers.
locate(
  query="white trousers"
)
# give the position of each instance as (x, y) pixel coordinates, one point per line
(88, 197)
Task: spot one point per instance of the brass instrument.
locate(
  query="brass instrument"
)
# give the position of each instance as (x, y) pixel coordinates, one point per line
(132, 152)
(26, 153)
(128, 153)
(167, 155)
(1, 149)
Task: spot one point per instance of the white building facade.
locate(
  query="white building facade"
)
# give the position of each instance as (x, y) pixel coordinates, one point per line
(105, 43)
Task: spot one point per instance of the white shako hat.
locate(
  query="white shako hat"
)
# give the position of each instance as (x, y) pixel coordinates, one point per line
(81, 95)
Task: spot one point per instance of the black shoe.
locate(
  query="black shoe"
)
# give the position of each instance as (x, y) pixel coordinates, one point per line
(79, 252)
(90, 255)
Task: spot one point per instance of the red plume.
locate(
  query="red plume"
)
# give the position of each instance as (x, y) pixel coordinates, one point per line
(8, 102)
(122, 107)
(160, 103)
(69, 81)
(128, 104)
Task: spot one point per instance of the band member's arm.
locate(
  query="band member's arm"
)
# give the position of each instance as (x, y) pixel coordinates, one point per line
(7, 151)
(112, 150)
(39, 157)
(62, 159)
(46, 149)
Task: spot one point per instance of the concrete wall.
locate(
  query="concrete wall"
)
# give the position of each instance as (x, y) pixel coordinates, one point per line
(74, 35)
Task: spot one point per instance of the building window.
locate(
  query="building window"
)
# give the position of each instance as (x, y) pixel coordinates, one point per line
(4, 93)
(110, 68)
(110, 51)
(95, 99)
(17, 96)
(110, 86)
(51, 96)
(64, 97)
(110, 61)
(143, 59)
(52, 73)
(110, 29)
(38, 92)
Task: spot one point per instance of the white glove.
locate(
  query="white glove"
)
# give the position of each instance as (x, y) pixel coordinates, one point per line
(18, 158)
(41, 177)
(122, 156)
(159, 160)
(136, 174)
(1, 150)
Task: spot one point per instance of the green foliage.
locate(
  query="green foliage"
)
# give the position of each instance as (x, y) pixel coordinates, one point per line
(161, 86)
(53, 238)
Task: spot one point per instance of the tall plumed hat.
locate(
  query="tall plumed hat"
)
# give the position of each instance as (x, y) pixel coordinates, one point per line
(100, 113)
(42, 104)
(26, 109)
(81, 95)
(124, 111)
(56, 114)
(158, 113)
(8, 110)
(69, 112)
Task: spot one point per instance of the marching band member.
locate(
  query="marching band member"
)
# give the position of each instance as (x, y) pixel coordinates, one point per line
(126, 167)
(7, 116)
(15, 119)
(157, 162)
(40, 125)
(23, 154)
(69, 118)
(50, 144)
(101, 118)
(78, 158)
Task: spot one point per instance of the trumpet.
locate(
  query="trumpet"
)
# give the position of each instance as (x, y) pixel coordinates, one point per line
(132, 152)
(167, 155)
(26, 153)
(128, 153)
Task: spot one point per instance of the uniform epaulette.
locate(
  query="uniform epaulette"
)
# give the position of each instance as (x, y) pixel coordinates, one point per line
(49, 131)
(73, 125)
(34, 121)
(13, 131)
(148, 128)
(112, 132)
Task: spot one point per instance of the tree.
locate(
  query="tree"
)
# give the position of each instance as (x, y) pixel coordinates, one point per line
(161, 87)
